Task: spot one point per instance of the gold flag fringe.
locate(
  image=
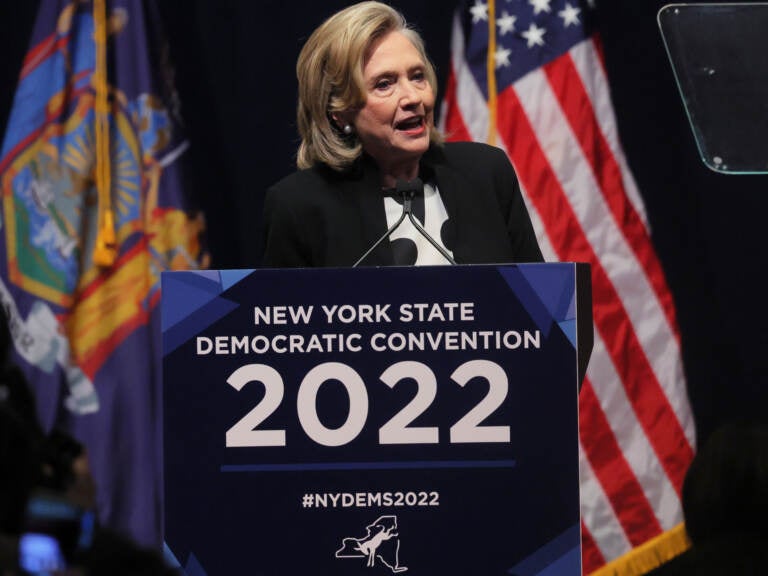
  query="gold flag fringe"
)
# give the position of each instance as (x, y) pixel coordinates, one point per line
(649, 555)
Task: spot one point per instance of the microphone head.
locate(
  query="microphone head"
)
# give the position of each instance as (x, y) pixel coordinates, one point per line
(410, 187)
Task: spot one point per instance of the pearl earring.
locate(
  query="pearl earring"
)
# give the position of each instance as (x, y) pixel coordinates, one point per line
(347, 129)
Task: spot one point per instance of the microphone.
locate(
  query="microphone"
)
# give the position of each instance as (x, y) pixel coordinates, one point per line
(407, 191)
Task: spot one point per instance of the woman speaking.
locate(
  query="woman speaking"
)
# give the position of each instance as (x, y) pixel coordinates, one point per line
(370, 153)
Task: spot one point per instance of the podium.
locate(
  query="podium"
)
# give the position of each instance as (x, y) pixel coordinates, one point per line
(418, 420)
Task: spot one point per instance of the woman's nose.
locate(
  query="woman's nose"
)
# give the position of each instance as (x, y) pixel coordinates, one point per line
(410, 94)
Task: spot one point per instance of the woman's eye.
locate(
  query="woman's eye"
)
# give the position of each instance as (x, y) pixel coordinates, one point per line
(383, 84)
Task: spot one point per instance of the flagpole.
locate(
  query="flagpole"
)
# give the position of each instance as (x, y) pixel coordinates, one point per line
(104, 252)
(491, 72)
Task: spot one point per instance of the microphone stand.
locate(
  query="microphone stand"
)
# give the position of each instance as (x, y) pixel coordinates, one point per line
(408, 192)
(426, 235)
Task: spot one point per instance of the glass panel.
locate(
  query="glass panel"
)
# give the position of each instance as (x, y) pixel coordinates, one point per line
(719, 55)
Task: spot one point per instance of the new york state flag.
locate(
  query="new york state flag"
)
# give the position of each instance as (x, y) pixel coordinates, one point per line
(92, 212)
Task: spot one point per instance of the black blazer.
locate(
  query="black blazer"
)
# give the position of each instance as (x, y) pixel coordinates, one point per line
(318, 217)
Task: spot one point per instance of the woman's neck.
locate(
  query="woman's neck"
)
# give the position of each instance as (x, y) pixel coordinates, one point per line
(391, 174)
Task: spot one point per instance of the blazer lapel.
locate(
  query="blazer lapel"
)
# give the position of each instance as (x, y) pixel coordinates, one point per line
(453, 187)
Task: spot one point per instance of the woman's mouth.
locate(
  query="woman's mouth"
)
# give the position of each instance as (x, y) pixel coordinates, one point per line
(413, 125)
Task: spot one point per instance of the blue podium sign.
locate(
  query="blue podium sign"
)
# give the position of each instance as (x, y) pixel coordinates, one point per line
(372, 421)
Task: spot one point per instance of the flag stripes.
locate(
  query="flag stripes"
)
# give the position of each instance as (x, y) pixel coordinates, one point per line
(576, 226)
(616, 477)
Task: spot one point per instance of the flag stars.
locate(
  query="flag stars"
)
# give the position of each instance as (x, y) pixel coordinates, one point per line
(501, 57)
(479, 12)
(570, 15)
(534, 35)
(506, 23)
(540, 6)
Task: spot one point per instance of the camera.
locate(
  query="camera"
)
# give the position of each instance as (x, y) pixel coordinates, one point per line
(56, 532)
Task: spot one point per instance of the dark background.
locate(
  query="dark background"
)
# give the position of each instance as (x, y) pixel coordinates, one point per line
(235, 74)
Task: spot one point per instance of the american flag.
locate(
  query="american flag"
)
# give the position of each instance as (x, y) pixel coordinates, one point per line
(543, 96)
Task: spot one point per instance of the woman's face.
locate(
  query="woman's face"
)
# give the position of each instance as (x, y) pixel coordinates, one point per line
(393, 126)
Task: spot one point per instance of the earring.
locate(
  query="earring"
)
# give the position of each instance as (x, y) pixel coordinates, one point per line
(347, 129)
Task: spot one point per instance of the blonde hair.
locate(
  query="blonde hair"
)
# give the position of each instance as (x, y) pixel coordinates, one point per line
(330, 75)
